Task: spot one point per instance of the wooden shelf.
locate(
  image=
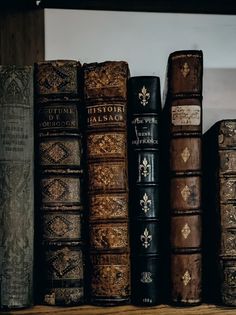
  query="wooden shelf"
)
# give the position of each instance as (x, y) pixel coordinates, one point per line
(125, 310)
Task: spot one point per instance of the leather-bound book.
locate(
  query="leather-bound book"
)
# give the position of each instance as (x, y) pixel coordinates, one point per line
(143, 125)
(183, 108)
(58, 89)
(16, 186)
(219, 206)
(105, 95)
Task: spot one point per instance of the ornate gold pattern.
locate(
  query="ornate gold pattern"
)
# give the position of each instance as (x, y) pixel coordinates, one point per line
(145, 203)
(106, 144)
(112, 206)
(61, 226)
(144, 96)
(61, 189)
(185, 192)
(185, 155)
(185, 70)
(60, 152)
(109, 236)
(186, 278)
(146, 277)
(65, 263)
(108, 75)
(146, 238)
(145, 167)
(112, 280)
(107, 176)
(57, 77)
(186, 231)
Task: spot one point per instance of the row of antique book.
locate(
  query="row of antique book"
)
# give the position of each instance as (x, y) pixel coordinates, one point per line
(101, 191)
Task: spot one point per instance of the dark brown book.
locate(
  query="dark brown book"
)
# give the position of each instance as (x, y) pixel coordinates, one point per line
(220, 212)
(183, 110)
(16, 186)
(59, 145)
(105, 95)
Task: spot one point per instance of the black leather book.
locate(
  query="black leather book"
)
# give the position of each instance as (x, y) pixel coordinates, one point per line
(143, 117)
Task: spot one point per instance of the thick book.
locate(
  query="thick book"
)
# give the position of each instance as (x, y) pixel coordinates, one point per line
(183, 114)
(220, 212)
(105, 95)
(58, 90)
(16, 186)
(144, 109)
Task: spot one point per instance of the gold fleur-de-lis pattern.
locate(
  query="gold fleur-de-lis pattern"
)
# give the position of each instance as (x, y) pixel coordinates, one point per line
(146, 238)
(145, 203)
(185, 70)
(145, 167)
(144, 96)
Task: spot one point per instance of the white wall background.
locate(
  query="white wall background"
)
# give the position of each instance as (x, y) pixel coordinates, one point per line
(145, 41)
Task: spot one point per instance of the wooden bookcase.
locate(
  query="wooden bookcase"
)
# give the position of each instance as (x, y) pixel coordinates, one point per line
(22, 42)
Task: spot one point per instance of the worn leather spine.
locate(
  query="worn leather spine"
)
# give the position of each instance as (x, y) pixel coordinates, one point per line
(220, 200)
(58, 89)
(143, 125)
(184, 109)
(105, 95)
(17, 188)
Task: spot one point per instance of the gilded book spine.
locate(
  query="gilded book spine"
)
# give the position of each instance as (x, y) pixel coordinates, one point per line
(105, 92)
(184, 104)
(17, 188)
(61, 180)
(144, 122)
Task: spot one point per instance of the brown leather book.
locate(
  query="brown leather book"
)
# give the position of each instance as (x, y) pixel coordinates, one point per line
(105, 95)
(183, 110)
(59, 143)
(220, 212)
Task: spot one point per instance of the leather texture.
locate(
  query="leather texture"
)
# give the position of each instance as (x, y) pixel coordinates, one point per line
(144, 178)
(105, 95)
(184, 109)
(220, 174)
(58, 87)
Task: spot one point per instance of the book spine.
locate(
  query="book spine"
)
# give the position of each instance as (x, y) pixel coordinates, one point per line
(105, 93)
(17, 187)
(226, 205)
(58, 88)
(144, 122)
(185, 115)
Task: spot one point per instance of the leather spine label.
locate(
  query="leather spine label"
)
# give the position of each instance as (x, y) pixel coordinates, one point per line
(186, 115)
(58, 117)
(106, 114)
(145, 131)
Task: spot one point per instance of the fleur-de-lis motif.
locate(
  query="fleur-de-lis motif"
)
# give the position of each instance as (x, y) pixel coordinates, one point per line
(186, 278)
(185, 70)
(186, 231)
(145, 203)
(185, 155)
(146, 277)
(144, 167)
(146, 238)
(144, 96)
(185, 192)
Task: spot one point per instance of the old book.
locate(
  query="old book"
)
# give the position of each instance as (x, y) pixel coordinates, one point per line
(144, 110)
(16, 186)
(220, 212)
(59, 142)
(183, 111)
(105, 95)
